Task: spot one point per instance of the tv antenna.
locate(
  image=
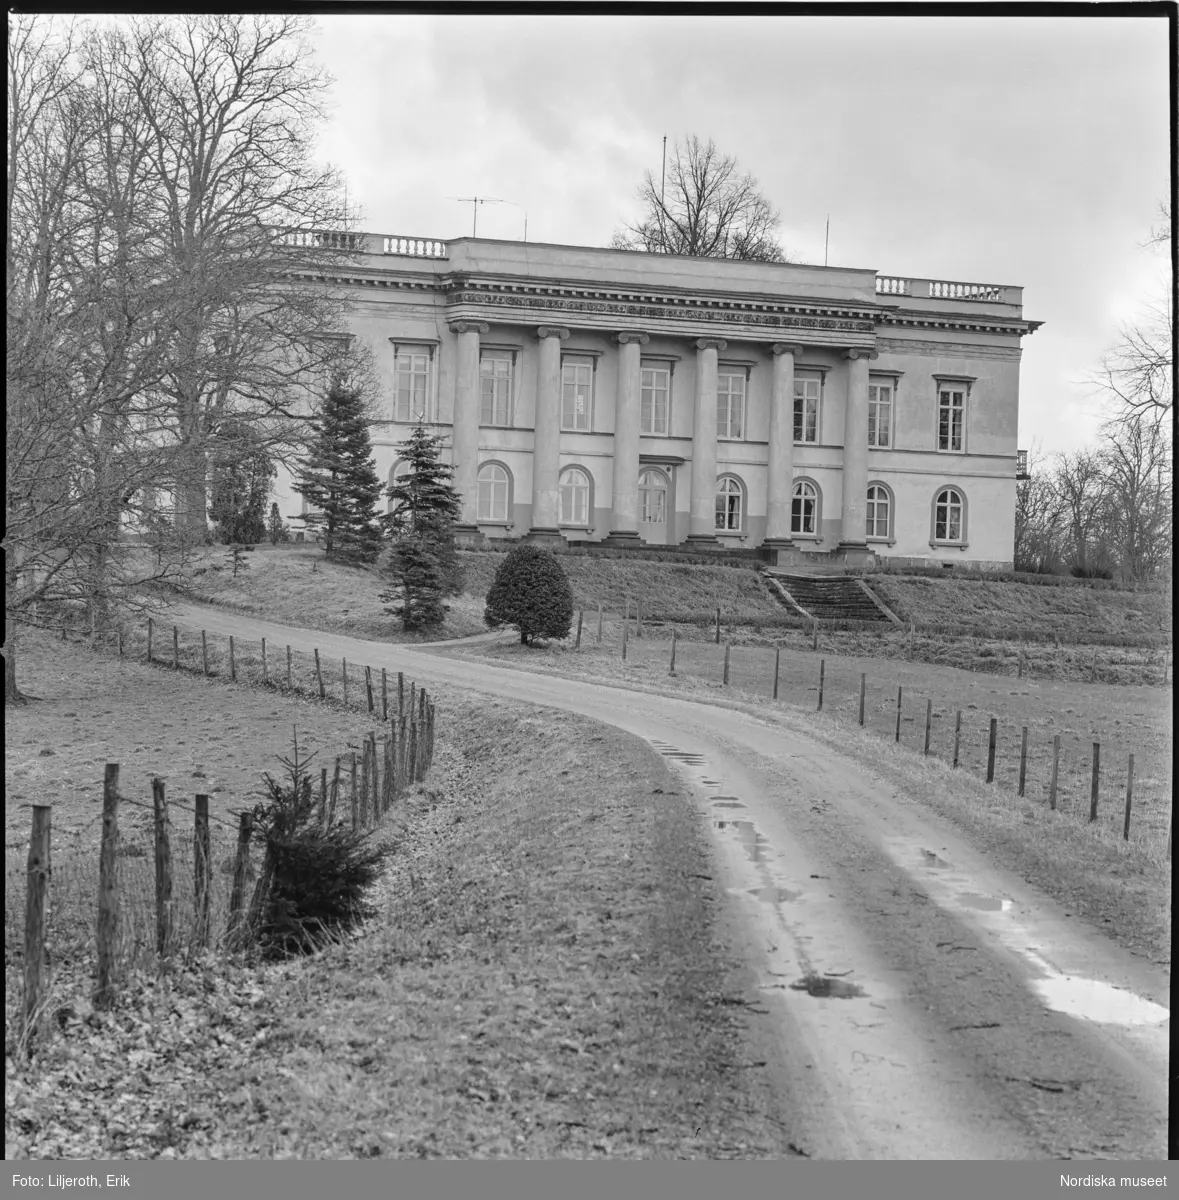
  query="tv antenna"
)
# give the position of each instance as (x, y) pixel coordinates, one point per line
(475, 201)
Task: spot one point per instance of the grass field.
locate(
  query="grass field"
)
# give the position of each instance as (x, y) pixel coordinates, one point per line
(544, 978)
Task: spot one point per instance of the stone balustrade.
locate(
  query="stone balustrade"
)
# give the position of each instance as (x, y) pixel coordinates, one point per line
(945, 289)
(415, 247)
(890, 285)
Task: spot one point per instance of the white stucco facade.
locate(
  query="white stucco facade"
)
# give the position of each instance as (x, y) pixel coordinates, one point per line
(593, 394)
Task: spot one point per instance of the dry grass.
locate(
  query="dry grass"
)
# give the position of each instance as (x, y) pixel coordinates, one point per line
(1026, 609)
(544, 979)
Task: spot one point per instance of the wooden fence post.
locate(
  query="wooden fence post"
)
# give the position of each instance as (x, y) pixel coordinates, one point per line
(319, 676)
(992, 738)
(911, 631)
(335, 794)
(599, 622)
(671, 669)
(718, 626)
(1093, 668)
(400, 694)
(725, 677)
(414, 765)
(120, 641)
(365, 780)
(1055, 771)
(265, 673)
(580, 618)
(1129, 794)
(37, 893)
(626, 618)
(1019, 667)
(368, 686)
(822, 670)
(625, 626)
(323, 794)
(204, 653)
(777, 668)
(163, 869)
(232, 661)
(898, 736)
(815, 634)
(1094, 781)
(175, 648)
(384, 695)
(202, 875)
(863, 689)
(149, 633)
(288, 668)
(241, 870)
(928, 723)
(1023, 759)
(108, 888)
(354, 798)
(638, 616)
(957, 735)
(345, 673)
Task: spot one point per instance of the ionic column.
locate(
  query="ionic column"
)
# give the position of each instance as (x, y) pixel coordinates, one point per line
(464, 438)
(855, 452)
(546, 442)
(624, 522)
(702, 523)
(780, 466)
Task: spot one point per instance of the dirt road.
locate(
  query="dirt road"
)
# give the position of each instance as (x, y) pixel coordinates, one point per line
(914, 1001)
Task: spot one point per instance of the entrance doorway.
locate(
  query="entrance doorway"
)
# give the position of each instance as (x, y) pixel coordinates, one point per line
(656, 506)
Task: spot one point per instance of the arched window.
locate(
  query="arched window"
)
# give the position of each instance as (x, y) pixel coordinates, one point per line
(397, 471)
(494, 484)
(730, 504)
(804, 508)
(652, 496)
(949, 516)
(879, 511)
(575, 497)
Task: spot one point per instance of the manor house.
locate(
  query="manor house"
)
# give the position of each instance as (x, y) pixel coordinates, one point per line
(825, 415)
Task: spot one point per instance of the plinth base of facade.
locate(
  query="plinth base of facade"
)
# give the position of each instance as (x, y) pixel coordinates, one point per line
(703, 541)
(623, 537)
(540, 535)
(852, 554)
(468, 535)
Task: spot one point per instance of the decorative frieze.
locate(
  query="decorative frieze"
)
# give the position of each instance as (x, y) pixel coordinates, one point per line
(657, 311)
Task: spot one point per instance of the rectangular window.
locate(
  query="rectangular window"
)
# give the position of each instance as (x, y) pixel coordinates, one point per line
(880, 413)
(807, 392)
(412, 374)
(654, 400)
(730, 405)
(577, 392)
(495, 387)
(951, 416)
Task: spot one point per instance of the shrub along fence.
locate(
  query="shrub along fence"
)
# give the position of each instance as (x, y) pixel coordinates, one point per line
(1113, 783)
(147, 895)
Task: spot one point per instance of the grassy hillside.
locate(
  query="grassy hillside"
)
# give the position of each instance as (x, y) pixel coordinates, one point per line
(297, 585)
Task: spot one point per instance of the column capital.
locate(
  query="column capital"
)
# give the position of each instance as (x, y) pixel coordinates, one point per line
(548, 331)
(705, 343)
(479, 327)
(633, 335)
(788, 348)
(860, 352)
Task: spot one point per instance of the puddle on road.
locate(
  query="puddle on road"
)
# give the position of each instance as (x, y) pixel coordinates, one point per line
(932, 860)
(984, 903)
(727, 803)
(824, 986)
(774, 895)
(755, 845)
(1099, 1002)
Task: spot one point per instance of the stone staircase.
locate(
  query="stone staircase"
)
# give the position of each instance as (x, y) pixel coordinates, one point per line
(829, 597)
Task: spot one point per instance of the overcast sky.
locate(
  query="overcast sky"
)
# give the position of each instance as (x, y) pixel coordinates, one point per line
(1015, 151)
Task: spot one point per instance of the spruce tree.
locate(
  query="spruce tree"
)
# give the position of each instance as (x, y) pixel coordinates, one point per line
(423, 565)
(340, 480)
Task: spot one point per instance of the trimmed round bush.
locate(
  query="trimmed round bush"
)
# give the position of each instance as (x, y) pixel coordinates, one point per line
(530, 592)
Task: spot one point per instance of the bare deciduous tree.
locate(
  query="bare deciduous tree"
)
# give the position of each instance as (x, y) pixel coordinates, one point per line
(709, 209)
